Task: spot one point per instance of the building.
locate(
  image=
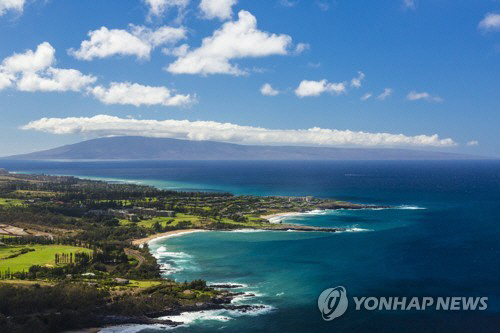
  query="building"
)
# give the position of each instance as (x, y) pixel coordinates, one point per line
(133, 217)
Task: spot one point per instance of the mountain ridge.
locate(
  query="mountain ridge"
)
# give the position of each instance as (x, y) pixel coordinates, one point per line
(146, 148)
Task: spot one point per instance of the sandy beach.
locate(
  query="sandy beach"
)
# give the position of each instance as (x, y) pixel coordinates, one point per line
(275, 218)
(163, 234)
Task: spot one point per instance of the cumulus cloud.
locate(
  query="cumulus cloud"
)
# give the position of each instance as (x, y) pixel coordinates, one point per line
(288, 3)
(34, 71)
(315, 88)
(221, 9)
(268, 90)
(415, 96)
(104, 125)
(235, 39)
(301, 47)
(14, 5)
(410, 4)
(55, 79)
(366, 96)
(472, 143)
(30, 61)
(323, 5)
(138, 41)
(356, 81)
(6, 80)
(490, 22)
(137, 95)
(159, 7)
(386, 93)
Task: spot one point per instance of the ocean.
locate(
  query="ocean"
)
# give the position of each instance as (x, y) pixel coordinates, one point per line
(441, 239)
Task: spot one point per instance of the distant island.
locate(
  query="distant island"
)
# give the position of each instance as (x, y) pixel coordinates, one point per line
(145, 148)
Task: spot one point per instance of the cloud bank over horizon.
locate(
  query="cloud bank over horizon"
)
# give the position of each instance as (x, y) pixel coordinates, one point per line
(105, 125)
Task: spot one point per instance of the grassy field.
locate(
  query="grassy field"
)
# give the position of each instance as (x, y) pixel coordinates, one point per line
(36, 194)
(143, 283)
(10, 202)
(26, 282)
(195, 220)
(43, 256)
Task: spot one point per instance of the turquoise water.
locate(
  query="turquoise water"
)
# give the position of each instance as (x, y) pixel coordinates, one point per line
(443, 240)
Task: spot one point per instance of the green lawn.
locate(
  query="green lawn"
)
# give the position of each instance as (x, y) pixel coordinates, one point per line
(10, 202)
(43, 256)
(143, 283)
(195, 220)
(27, 282)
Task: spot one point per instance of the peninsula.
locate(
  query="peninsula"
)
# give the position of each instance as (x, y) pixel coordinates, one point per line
(74, 252)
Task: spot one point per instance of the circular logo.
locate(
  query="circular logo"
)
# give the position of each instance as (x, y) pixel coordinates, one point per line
(332, 303)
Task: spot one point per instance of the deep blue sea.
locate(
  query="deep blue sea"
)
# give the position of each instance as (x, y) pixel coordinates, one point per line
(442, 239)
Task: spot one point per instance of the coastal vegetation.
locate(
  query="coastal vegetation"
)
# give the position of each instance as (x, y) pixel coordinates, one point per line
(73, 252)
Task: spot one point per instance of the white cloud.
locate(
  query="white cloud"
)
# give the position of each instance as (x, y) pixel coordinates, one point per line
(160, 36)
(15, 5)
(179, 51)
(221, 9)
(236, 39)
(33, 71)
(472, 143)
(159, 7)
(356, 81)
(104, 125)
(30, 61)
(314, 64)
(136, 94)
(316, 88)
(410, 4)
(490, 22)
(301, 47)
(139, 41)
(288, 3)
(6, 80)
(386, 93)
(415, 96)
(54, 79)
(366, 96)
(268, 90)
(324, 6)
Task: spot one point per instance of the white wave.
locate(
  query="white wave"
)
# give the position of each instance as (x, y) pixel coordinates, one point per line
(245, 297)
(169, 269)
(357, 230)
(192, 317)
(133, 328)
(238, 284)
(403, 207)
(247, 230)
(160, 238)
(286, 216)
(409, 207)
(177, 255)
(188, 318)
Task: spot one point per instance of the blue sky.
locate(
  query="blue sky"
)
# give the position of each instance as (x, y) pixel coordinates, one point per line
(422, 74)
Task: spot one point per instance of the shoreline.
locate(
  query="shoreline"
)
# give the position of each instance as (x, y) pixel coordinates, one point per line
(279, 215)
(278, 218)
(142, 241)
